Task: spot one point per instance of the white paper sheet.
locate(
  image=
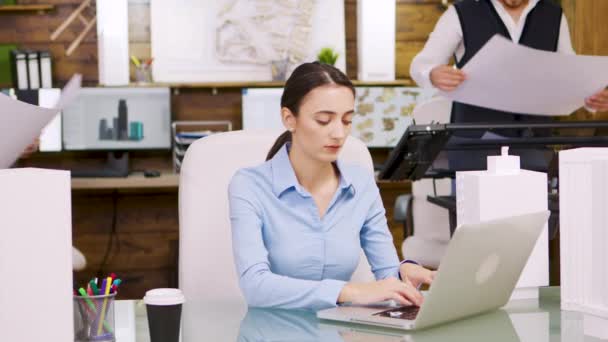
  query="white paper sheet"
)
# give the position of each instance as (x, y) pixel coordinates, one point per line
(50, 139)
(514, 78)
(21, 123)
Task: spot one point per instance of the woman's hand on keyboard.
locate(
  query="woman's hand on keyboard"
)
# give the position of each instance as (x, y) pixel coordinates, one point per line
(416, 275)
(377, 291)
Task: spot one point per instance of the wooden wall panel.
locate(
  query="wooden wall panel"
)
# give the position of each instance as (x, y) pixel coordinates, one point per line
(202, 104)
(591, 29)
(144, 241)
(37, 28)
(130, 251)
(82, 61)
(389, 192)
(589, 33)
(136, 212)
(415, 21)
(50, 2)
(404, 55)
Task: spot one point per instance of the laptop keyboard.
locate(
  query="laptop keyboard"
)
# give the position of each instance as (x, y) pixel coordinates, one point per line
(404, 312)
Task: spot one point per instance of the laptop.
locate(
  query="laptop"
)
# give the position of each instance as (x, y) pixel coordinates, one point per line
(477, 274)
(497, 324)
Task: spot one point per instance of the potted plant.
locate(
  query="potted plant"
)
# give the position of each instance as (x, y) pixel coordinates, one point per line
(328, 56)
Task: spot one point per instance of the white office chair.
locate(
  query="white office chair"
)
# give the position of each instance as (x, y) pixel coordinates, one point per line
(431, 223)
(206, 264)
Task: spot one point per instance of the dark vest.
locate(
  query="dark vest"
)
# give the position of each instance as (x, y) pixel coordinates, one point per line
(479, 22)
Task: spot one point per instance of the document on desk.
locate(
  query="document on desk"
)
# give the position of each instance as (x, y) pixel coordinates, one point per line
(514, 78)
(21, 123)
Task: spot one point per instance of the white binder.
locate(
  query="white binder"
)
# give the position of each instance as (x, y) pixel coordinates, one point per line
(20, 60)
(33, 70)
(46, 76)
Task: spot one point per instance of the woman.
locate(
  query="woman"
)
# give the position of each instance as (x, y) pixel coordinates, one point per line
(300, 219)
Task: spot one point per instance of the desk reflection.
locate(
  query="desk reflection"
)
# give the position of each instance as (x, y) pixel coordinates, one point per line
(289, 325)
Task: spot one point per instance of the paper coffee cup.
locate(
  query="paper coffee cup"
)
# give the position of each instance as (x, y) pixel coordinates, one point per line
(164, 308)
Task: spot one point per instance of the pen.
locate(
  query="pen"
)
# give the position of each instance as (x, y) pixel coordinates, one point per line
(87, 299)
(115, 285)
(93, 284)
(106, 290)
(135, 61)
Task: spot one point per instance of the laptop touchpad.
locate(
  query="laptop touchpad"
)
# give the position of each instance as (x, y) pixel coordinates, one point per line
(404, 312)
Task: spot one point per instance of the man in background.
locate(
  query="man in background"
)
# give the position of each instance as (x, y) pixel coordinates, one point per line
(468, 24)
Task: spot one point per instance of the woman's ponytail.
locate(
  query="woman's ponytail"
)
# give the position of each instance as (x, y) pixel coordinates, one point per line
(281, 140)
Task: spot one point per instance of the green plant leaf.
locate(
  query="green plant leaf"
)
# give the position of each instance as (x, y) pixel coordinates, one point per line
(327, 56)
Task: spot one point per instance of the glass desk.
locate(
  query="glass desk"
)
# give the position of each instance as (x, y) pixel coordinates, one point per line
(525, 320)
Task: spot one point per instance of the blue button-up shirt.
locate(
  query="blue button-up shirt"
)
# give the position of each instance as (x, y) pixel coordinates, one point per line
(286, 255)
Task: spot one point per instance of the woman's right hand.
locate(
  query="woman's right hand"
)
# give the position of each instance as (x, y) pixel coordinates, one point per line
(377, 291)
(446, 78)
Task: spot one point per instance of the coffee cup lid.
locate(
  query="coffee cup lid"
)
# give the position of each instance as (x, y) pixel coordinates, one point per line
(164, 297)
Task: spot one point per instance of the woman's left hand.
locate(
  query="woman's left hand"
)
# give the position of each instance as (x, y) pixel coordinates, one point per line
(416, 274)
(598, 101)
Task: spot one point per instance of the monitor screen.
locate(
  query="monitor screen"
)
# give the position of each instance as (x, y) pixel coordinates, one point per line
(118, 119)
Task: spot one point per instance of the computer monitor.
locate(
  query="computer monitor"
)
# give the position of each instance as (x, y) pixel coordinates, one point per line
(117, 120)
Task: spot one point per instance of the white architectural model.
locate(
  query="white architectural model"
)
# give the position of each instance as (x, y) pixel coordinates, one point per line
(113, 42)
(36, 255)
(583, 176)
(501, 191)
(376, 26)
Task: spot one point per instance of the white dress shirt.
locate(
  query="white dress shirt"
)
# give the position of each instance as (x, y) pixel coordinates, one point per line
(446, 40)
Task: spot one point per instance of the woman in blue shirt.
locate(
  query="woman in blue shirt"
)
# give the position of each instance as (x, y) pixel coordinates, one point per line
(300, 219)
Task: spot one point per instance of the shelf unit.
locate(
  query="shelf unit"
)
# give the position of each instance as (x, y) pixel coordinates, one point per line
(170, 180)
(167, 180)
(39, 8)
(265, 84)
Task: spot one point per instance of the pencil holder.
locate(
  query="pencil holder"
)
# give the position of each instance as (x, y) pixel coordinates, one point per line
(94, 318)
(143, 74)
(278, 69)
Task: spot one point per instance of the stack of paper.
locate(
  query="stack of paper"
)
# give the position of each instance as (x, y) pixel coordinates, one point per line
(22, 123)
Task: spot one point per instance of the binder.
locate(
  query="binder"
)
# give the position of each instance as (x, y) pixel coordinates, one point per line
(46, 75)
(33, 69)
(28, 96)
(6, 72)
(19, 66)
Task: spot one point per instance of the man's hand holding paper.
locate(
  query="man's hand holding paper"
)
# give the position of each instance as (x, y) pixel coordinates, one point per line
(514, 78)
